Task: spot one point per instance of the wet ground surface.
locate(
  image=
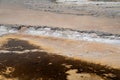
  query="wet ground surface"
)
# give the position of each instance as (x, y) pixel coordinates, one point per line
(16, 62)
(41, 65)
(18, 45)
(65, 33)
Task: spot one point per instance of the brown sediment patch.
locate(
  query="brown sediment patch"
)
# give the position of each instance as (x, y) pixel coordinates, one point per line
(98, 53)
(46, 65)
(41, 65)
(18, 45)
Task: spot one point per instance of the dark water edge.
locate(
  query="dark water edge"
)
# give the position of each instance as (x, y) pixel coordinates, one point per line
(44, 65)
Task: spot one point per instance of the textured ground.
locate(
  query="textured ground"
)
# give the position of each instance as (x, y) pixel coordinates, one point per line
(55, 52)
(44, 59)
